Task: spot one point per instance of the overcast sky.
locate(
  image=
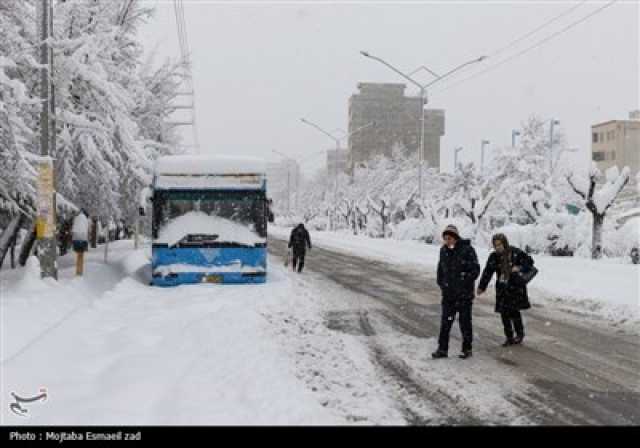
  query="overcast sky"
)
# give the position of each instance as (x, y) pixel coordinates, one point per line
(260, 66)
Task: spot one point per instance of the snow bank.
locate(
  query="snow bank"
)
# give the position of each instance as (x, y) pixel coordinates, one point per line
(194, 223)
(133, 354)
(31, 280)
(412, 229)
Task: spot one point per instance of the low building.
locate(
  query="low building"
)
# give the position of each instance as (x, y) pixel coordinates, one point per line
(617, 143)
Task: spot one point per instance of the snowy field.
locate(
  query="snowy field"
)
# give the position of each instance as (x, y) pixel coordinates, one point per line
(605, 288)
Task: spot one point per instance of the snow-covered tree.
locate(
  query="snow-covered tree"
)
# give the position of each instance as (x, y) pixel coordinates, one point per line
(470, 194)
(598, 202)
(19, 104)
(523, 173)
(111, 106)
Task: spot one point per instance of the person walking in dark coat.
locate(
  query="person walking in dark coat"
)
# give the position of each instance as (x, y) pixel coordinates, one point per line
(299, 241)
(458, 269)
(507, 262)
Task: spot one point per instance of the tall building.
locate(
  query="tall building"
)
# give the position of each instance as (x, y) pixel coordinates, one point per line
(397, 121)
(617, 142)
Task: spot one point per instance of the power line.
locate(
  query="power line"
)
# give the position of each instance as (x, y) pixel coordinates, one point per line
(544, 25)
(532, 47)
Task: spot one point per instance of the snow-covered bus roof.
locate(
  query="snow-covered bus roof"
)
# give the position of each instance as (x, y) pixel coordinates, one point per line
(204, 172)
(209, 165)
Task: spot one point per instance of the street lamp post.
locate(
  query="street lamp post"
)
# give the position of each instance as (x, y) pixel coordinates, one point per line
(553, 123)
(484, 142)
(337, 142)
(455, 158)
(514, 133)
(423, 98)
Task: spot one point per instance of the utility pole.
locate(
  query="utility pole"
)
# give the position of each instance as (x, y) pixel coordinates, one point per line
(288, 188)
(423, 103)
(455, 158)
(335, 187)
(423, 99)
(553, 122)
(484, 142)
(297, 186)
(45, 221)
(514, 133)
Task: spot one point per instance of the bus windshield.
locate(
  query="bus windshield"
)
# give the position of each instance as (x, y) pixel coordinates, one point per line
(210, 218)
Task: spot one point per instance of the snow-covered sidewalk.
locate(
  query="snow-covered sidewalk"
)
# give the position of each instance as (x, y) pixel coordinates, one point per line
(603, 289)
(109, 349)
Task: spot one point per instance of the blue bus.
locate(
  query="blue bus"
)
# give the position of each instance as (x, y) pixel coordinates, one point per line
(209, 222)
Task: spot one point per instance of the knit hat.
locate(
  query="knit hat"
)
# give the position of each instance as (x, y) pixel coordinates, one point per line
(451, 230)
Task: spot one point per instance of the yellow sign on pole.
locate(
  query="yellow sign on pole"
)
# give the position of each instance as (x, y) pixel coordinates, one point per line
(46, 220)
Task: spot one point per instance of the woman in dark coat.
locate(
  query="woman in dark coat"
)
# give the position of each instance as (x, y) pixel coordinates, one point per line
(507, 262)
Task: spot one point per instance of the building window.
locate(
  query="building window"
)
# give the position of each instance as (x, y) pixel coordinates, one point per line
(598, 156)
(595, 137)
(612, 155)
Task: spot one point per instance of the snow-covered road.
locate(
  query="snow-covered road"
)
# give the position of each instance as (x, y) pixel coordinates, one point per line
(571, 370)
(347, 342)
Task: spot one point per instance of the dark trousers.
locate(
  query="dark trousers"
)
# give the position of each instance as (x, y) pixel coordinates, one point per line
(298, 260)
(512, 319)
(449, 312)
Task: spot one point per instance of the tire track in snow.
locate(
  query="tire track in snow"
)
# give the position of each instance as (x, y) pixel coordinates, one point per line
(558, 356)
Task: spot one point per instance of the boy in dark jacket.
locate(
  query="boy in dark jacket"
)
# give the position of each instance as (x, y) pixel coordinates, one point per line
(458, 268)
(511, 290)
(299, 241)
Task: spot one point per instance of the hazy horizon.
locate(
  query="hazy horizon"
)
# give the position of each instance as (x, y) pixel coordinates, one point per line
(259, 67)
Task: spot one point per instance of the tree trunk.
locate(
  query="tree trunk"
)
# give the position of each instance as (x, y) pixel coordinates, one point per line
(93, 232)
(596, 242)
(27, 245)
(9, 235)
(13, 254)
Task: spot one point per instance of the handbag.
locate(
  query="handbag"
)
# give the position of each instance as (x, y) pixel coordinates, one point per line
(528, 275)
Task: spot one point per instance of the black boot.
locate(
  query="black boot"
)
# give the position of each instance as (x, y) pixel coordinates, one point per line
(518, 340)
(465, 354)
(508, 342)
(439, 354)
